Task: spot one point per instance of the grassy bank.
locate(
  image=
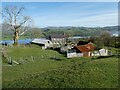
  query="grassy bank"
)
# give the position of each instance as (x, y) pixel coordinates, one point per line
(49, 69)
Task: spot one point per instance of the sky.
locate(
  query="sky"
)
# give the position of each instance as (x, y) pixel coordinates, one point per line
(85, 14)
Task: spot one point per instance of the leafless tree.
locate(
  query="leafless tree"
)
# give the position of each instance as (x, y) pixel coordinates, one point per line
(14, 17)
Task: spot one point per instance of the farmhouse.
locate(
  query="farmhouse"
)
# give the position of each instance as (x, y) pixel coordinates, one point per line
(45, 43)
(58, 39)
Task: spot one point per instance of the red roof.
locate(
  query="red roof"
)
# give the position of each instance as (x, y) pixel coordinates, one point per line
(90, 46)
(85, 48)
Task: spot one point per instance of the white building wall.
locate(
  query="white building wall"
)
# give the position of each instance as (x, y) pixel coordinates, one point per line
(95, 54)
(74, 54)
(102, 52)
(70, 55)
(79, 54)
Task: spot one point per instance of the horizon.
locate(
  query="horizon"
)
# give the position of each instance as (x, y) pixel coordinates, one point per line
(81, 26)
(74, 26)
(73, 14)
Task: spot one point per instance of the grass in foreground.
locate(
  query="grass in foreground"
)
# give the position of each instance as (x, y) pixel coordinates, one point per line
(44, 72)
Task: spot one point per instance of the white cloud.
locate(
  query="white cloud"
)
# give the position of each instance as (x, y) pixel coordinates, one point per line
(99, 20)
(96, 20)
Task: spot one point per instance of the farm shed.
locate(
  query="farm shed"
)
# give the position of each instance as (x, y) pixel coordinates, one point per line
(82, 51)
(85, 49)
(45, 43)
(101, 52)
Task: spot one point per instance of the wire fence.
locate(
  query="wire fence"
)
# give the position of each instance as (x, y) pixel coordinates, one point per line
(23, 60)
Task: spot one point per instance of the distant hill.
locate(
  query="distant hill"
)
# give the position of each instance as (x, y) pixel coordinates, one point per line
(82, 31)
(112, 29)
(69, 30)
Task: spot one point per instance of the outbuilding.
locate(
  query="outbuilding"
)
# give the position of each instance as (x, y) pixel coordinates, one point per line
(44, 43)
(82, 51)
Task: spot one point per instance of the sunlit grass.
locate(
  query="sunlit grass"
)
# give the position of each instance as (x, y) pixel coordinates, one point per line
(46, 72)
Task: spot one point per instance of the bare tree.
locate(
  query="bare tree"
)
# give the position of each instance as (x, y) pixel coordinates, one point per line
(13, 16)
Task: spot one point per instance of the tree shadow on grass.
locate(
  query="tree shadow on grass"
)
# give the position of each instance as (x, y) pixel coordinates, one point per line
(101, 57)
(56, 59)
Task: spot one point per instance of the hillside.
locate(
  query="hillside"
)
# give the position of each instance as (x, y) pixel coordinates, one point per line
(44, 71)
(81, 31)
(34, 32)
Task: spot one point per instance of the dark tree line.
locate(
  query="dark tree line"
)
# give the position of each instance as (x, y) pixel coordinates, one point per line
(105, 39)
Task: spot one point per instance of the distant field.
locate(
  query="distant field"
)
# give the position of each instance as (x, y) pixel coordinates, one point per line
(49, 69)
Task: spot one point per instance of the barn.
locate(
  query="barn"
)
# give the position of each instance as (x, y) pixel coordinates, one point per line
(44, 43)
(82, 51)
(85, 49)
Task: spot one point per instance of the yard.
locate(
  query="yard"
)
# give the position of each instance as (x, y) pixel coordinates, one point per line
(49, 69)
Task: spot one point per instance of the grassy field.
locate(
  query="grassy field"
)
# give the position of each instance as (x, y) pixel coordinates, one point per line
(49, 69)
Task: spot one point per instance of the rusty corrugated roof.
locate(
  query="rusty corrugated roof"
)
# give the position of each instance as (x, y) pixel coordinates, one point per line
(90, 46)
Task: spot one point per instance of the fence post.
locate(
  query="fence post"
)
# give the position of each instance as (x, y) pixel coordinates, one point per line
(10, 61)
(32, 58)
(42, 56)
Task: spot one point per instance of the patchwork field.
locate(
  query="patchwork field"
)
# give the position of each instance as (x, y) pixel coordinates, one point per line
(49, 69)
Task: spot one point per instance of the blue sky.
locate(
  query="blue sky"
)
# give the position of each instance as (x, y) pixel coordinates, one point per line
(90, 14)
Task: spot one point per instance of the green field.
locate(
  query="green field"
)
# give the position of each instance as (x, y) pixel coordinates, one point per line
(49, 69)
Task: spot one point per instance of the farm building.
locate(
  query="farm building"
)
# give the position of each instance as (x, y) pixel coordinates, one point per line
(45, 43)
(64, 49)
(101, 52)
(86, 50)
(82, 51)
(58, 39)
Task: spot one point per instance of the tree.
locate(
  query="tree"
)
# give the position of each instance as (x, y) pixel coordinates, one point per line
(106, 38)
(14, 18)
